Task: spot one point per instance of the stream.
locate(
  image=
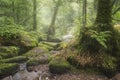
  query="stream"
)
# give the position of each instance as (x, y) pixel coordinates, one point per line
(40, 72)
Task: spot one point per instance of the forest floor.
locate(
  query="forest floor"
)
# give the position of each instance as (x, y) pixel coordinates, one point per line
(41, 72)
(46, 75)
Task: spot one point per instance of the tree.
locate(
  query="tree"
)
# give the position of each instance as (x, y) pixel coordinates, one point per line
(51, 31)
(84, 12)
(34, 14)
(104, 15)
(101, 36)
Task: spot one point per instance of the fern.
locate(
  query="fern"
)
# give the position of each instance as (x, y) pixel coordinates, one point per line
(100, 37)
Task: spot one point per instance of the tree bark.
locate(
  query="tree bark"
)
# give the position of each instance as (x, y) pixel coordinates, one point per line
(34, 14)
(104, 15)
(84, 13)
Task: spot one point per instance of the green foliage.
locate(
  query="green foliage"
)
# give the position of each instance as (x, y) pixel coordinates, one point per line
(39, 36)
(9, 51)
(94, 41)
(100, 37)
(59, 65)
(10, 31)
(7, 69)
(13, 34)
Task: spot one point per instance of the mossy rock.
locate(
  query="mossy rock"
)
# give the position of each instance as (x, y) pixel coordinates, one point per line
(59, 66)
(27, 40)
(8, 69)
(37, 56)
(45, 46)
(17, 37)
(18, 59)
(39, 36)
(52, 44)
(36, 52)
(9, 51)
(34, 62)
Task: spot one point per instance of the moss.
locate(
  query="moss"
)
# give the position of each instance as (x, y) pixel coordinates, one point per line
(17, 59)
(45, 46)
(37, 56)
(59, 65)
(18, 37)
(9, 51)
(34, 62)
(27, 40)
(8, 69)
(52, 44)
(36, 52)
(39, 36)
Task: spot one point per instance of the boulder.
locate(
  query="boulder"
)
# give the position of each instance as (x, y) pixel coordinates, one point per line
(18, 59)
(7, 69)
(59, 65)
(8, 51)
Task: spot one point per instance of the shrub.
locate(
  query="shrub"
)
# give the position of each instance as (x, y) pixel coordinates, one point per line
(12, 34)
(100, 63)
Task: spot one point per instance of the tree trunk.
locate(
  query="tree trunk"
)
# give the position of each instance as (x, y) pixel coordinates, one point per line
(104, 23)
(84, 13)
(51, 31)
(34, 14)
(104, 15)
(13, 10)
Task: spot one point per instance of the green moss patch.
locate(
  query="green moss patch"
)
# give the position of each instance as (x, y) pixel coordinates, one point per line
(8, 69)
(46, 45)
(9, 51)
(37, 56)
(34, 62)
(59, 66)
(36, 52)
(16, 35)
(26, 40)
(17, 59)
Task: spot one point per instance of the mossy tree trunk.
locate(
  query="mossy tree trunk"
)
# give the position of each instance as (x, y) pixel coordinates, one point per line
(104, 13)
(103, 22)
(35, 15)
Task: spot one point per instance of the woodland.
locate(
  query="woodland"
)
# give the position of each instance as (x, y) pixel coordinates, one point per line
(59, 39)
